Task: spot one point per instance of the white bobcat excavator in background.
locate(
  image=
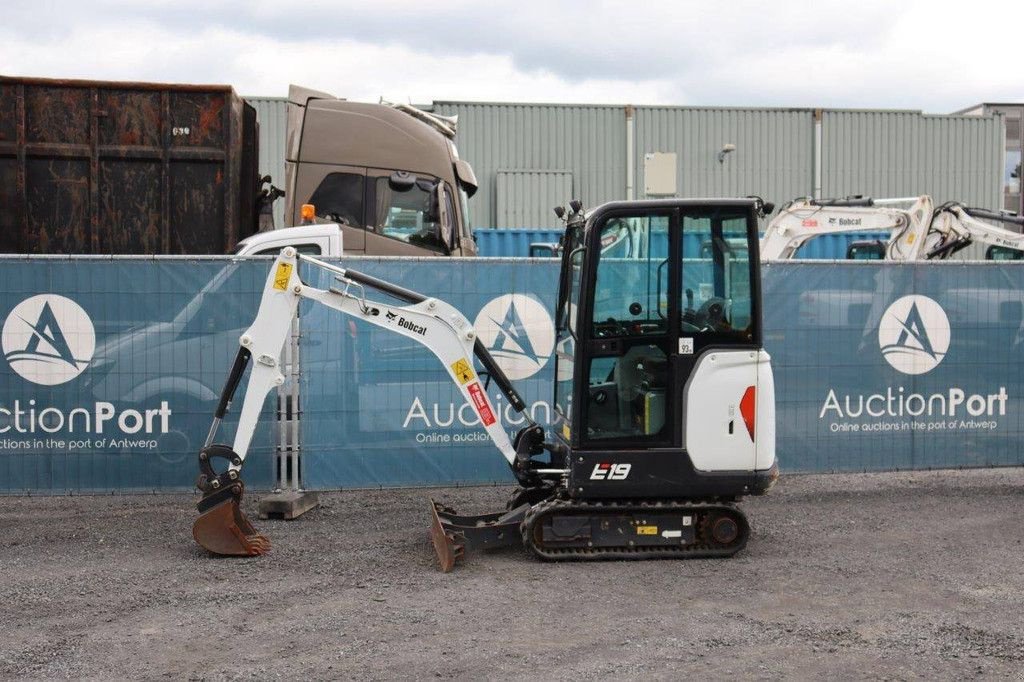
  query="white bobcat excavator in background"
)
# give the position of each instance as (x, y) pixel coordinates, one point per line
(918, 233)
(955, 227)
(665, 406)
(804, 219)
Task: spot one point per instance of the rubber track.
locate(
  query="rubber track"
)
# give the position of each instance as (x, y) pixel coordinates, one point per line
(701, 549)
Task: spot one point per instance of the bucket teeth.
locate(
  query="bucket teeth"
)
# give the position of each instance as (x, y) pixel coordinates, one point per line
(223, 529)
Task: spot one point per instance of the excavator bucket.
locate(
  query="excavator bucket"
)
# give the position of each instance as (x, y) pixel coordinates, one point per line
(223, 529)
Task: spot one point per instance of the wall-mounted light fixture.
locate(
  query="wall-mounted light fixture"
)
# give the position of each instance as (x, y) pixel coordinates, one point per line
(726, 148)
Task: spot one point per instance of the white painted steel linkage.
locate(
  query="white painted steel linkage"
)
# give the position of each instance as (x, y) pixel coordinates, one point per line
(432, 323)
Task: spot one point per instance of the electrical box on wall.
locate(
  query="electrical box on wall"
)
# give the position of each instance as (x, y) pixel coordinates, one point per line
(660, 174)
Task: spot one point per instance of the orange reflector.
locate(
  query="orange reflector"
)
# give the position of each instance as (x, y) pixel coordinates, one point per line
(308, 213)
(747, 405)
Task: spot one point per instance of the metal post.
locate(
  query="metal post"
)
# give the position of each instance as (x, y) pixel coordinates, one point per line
(290, 500)
(287, 449)
(630, 155)
(817, 154)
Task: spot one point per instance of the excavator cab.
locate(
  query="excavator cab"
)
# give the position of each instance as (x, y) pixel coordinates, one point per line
(664, 394)
(659, 355)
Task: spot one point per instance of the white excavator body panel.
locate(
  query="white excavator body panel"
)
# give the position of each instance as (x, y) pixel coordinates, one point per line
(730, 412)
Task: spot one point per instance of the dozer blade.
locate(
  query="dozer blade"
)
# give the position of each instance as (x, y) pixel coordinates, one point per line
(446, 544)
(453, 533)
(223, 529)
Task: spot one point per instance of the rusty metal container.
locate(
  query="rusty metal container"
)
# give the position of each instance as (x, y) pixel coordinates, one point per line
(125, 168)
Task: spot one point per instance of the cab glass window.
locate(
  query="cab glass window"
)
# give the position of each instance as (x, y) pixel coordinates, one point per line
(626, 395)
(716, 293)
(565, 344)
(631, 291)
(339, 198)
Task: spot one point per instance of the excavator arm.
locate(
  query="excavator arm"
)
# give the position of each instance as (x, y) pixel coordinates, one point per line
(956, 227)
(805, 219)
(221, 527)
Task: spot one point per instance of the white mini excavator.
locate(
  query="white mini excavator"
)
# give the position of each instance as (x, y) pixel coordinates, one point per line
(955, 227)
(664, 394)
(918, 233)
(804, 219)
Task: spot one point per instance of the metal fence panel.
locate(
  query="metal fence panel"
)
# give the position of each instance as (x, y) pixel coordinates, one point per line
(883, 366)
(113, 368)
(878, 366)
(399, 423)
(380, 410)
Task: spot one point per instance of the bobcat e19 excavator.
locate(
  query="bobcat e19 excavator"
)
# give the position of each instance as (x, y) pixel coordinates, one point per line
(664, 394)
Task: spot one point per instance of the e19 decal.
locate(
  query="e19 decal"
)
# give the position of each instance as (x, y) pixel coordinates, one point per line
(610, 472)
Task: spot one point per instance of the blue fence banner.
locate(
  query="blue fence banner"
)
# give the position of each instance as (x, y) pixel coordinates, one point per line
(112, 368)
(896, 366)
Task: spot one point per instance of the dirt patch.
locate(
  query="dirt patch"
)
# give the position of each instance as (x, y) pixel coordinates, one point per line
(909, 575)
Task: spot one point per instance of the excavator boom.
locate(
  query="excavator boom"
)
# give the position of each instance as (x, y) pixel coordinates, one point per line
(956, 227)
(804, 219)
(222, 527)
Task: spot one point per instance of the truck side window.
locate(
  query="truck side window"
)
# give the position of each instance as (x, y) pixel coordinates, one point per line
(408, 215)
(339, 198)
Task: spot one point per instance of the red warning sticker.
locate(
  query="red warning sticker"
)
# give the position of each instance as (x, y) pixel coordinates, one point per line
(483, 408)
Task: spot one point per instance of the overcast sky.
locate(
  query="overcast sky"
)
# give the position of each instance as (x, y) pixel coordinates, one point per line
(937, 56)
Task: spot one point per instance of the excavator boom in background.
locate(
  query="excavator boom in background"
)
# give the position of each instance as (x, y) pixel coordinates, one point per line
(664, 394)
(804, 219)
(955, 227)
(918, 233)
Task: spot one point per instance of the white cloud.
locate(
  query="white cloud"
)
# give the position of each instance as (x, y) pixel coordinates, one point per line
(921, 55)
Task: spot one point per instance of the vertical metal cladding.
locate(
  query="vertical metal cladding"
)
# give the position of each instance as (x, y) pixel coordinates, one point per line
(528, 197)
(272, 116)
(773, 157)
(585, 140)
(906, 153)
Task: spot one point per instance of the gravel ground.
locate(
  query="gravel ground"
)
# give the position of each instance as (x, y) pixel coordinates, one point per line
(907, 575)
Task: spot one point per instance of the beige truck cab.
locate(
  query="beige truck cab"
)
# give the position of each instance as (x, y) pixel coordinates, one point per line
(388, 175)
